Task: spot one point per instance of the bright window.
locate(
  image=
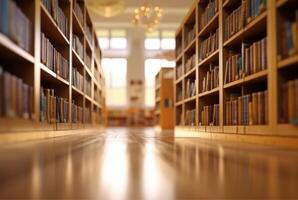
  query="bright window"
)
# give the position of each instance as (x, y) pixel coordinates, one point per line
(152, 66)
(115, 70)
(168, 44)
(152, 43)
(118, 43)
(104, 43)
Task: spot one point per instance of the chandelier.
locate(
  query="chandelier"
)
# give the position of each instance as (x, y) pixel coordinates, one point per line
(148, 16)
(106, 8)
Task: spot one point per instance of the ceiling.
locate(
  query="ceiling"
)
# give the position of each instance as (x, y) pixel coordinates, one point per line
(173, 13)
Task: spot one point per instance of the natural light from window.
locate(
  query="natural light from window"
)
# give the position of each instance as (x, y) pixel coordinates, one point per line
(115, 70)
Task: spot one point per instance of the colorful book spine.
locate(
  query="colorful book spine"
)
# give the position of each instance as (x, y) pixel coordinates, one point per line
(208, 46)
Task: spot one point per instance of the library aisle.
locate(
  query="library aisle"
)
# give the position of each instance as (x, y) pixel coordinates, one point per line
(122, 163)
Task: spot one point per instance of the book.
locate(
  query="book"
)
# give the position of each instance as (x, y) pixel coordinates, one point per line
(77, 79)
(209, 12)
(190, 35)
(233, 67)
(78, 46)
(210, 79)
(179, 72)
(190, 117)
(58, 15)
(209, 45)
(53, 59)
(16, 97)
(210, 115)
(190, 88)
(190, 63)
(15, 24)
(78, 11)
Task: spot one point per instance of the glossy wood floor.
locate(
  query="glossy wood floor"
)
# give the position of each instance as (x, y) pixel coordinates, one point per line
(141, 164)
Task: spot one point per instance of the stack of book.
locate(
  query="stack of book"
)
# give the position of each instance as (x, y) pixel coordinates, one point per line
(234, 22)
(210, 115)
(190, 88)
(211, 79)
(15, 24)
(53, 59)
(53, 109)
(288, 38)
(190, 63)
(208, 46)
(76, 113)
(77, 79)
(190, 35)
(289, 102)
(179, 95)
(178, 50)
(253, 8)
(78, 46)
(16, 97)
(250, 109)
(190, 117)
(78, 11)
(209, 12)
(58, 15)
(88, 31)
(233, 68)
(88, 87)
(179, 71)
(245, 13)
(255, 56)
(88, 61)
(87, 114)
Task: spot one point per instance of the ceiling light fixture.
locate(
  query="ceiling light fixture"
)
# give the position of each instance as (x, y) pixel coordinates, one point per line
(106, 8)
(147, 15)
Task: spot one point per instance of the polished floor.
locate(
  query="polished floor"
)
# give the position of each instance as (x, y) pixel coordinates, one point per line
(141, 164)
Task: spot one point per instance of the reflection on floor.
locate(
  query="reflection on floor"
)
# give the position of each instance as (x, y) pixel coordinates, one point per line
(141, 164)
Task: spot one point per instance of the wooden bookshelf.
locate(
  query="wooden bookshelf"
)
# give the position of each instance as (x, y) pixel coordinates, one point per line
(30, 69)
(164, 98)
(267, 75)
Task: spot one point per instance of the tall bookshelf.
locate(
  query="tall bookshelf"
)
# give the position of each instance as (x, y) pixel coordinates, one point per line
(29, 66)
(241, 71)
(164, 98)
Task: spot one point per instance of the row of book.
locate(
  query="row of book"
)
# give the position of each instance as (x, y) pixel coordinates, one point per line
(244, 14)
(88, 31)
(288, 34)
(53, 59)
(88, 61)
(190, 88)
(96, 95)
(211, 79)
(78, 11)
(210, 115)
(179, 71)
(53, 109)
(289, 102)
(58, 15)
(253, 59)
(87, 115)
(78, 46)
(15, 24)
(208, 46)
(190, 35)
(16, 97)
(209, 12)
(190, 117)
(178, 50)
(250, 109)
(179, 95)
(190, 63)
(88, 87)
(77, 79)
(77, 114)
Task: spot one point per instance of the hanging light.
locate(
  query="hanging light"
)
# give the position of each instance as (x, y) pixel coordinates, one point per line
(148, 16)
(106, 8)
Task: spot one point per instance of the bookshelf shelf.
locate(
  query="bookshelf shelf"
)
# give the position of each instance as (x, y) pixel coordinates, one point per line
(89, 45)
(190, 72)
(77, 26)
(187, 100)
(11, 51)
(210, 58)
(234, 84)
(179, 57)
(212, 24)
(179, 103)
(293, 60)
(51, 29)
(190, 46)
(285, 3)
(287, 130)
(211, 92)
(229, 3)
(256, 26)
(179, 80)
(77, 91)
(77, 60)
(255, 77)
